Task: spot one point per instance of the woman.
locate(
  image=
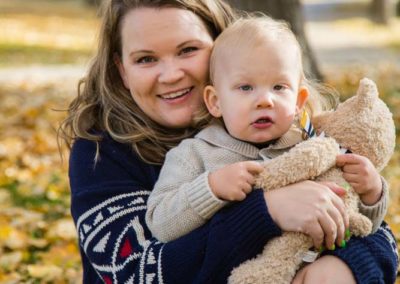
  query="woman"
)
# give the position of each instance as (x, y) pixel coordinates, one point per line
(137, 101)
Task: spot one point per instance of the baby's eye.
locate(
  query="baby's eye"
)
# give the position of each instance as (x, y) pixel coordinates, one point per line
(279, 87)
(188, 49)
(146, 59)
(246, 88)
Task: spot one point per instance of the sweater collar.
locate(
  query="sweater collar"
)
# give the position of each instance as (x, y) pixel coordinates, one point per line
(216, 135)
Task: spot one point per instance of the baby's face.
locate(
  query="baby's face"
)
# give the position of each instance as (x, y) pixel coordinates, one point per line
(258, 90)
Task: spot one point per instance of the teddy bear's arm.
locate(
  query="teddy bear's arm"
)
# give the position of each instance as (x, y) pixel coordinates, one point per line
(305, 161)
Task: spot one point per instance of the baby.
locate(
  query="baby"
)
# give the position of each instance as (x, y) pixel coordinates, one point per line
(258, 90)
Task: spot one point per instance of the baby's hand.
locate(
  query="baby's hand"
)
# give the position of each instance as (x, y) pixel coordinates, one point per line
(233, 182)
(361, 174)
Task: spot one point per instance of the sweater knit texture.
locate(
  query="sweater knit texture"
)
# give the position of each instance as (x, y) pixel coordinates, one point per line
(182, 199)
(109, 205)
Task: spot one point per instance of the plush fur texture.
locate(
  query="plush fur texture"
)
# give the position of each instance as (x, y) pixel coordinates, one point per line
(363, 124)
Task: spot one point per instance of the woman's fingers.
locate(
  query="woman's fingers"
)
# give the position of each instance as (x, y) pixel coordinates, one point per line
(344, 217)
(311, 208)
(316, 232)
(336, 222)
(338, 190)
(337, 229)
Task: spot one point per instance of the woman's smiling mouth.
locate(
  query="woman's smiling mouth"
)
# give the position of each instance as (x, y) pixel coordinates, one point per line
(176, 94)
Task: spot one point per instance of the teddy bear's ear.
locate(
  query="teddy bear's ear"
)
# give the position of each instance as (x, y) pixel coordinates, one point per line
(367, 92)
(366, 98)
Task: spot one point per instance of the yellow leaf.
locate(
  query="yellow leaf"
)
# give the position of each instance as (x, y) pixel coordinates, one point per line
(10, 261)
(5, 232)
(16, 239)
(45, 272)
(38, 243)
(63, 229)
(10, 278)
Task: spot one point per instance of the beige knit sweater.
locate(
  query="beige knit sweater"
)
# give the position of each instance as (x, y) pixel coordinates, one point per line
(182, 199)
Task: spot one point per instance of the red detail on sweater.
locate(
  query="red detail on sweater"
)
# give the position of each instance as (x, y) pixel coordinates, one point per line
(126, 249)
(107, 280)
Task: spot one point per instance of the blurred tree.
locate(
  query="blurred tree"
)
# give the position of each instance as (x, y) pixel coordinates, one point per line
(290, 11)
(398, 8)
(381, 11)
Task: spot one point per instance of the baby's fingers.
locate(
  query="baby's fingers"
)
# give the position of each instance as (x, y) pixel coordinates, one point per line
(348, 159)
(253, 167)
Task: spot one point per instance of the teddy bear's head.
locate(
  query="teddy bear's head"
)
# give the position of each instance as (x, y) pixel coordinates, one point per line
(363, 124)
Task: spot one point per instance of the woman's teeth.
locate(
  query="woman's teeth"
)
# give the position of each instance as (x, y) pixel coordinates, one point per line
(176, 94)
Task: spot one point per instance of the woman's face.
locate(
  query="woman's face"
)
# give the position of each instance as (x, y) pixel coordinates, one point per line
(165, 58)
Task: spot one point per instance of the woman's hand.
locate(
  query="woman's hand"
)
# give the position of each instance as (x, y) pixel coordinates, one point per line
(361, 174)
(312, 208)
(327, 269)
(233, 182)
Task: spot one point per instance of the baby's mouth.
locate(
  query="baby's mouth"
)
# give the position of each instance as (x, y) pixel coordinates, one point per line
(263, 120)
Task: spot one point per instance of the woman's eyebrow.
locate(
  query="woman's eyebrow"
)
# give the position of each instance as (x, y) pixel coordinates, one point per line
(141, 51)
(146, 51)
(193, 41)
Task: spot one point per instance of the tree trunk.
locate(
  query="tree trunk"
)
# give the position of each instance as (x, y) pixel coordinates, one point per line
(290, 11)
(398, 9)
(380, 11)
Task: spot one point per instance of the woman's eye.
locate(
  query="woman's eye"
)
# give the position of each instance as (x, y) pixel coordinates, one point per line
(188, 49)
(246, 88)
(145, 59)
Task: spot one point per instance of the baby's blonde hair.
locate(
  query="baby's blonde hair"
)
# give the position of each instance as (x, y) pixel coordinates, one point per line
(253, 29)
(247, 33)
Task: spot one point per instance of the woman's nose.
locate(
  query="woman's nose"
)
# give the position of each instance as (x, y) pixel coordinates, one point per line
(265, 99)
(170, 72)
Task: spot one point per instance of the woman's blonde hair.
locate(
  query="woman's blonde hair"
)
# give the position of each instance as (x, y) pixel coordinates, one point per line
(104, 105)
(249, 31)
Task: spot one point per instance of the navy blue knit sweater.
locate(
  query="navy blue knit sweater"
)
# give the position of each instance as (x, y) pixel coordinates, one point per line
(109, 204)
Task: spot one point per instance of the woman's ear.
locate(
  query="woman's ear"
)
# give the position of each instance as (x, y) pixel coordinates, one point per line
(211, 100)
(302, 97)
(121, 69)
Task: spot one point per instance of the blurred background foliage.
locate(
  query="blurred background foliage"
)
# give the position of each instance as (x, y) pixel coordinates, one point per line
(45, 47)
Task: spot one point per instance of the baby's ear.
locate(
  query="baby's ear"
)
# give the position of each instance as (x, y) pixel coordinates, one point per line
(212, 101)
(302, 97)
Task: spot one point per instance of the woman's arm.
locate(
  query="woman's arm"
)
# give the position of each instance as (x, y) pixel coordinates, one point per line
(109, 206)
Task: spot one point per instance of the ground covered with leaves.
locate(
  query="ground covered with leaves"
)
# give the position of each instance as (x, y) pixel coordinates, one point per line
(37, 235)
(38, 242)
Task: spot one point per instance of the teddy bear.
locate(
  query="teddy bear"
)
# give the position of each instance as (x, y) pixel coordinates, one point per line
(362, 124)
